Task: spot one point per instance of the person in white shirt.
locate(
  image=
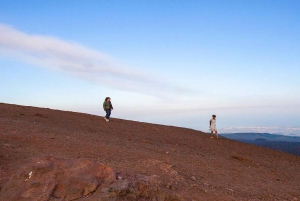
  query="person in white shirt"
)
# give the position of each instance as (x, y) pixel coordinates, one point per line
(213, 127)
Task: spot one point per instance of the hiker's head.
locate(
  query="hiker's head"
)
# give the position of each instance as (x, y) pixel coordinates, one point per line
(214, 116)
(107, 99)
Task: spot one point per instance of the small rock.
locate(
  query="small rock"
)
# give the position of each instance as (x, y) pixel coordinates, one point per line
(156, 129)
(193, 178)
(230, 191)
(119, 177)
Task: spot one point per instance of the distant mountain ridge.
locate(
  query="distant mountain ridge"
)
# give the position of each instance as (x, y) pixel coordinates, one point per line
(281, 130)
(289, 144)
(267, 136)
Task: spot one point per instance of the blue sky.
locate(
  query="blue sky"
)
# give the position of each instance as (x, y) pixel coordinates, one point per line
(167, 62)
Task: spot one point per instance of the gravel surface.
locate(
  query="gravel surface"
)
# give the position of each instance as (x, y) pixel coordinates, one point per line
(187, 162)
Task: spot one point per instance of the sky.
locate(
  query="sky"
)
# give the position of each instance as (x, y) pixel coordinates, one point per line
(172, 62)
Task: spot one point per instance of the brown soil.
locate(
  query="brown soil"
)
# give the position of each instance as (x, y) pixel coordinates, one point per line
(187, 162)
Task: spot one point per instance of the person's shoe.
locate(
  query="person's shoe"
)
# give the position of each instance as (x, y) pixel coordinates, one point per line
(107, 120)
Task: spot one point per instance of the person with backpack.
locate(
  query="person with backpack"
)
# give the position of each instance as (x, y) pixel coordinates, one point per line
(107, 106)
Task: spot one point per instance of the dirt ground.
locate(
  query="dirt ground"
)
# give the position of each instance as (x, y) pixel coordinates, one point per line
(187, 162)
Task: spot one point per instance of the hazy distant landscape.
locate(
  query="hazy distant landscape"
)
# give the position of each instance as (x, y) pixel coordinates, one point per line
(289, 144)
(277, 130)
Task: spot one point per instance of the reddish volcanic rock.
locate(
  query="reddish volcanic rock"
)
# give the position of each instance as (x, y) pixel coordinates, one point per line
(49, 178)
(61, 179)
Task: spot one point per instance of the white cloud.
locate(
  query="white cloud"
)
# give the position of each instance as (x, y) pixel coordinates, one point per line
(80, 61)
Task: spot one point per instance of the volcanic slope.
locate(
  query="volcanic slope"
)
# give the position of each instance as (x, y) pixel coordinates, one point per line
(187, 162)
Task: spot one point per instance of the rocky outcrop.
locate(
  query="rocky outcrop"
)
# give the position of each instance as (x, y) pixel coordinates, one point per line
(52, 179)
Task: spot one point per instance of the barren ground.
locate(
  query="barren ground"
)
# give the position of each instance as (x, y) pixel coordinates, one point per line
(187, 162)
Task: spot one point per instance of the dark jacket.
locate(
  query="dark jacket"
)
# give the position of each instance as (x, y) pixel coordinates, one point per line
(107, 105)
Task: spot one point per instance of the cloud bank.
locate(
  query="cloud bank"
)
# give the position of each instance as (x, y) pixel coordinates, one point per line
(80, 61)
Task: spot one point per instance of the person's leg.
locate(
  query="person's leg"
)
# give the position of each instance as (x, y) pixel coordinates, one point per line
(217, 134)
(107, 114)
(211, 134)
